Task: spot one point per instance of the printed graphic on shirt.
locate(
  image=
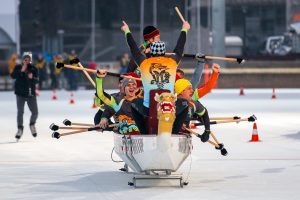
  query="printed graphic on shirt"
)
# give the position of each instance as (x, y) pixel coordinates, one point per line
(157, 73)
(160, 74)
(127, 125)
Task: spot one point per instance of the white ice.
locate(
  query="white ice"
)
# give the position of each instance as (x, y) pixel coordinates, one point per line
(79, 166)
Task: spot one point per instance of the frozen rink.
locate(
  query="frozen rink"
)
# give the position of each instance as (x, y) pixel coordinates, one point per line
(79, 166)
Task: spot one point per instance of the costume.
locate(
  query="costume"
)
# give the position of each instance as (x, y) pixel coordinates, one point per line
(119, 107)
(157, 72)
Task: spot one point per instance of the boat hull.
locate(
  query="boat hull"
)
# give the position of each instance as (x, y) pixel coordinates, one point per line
(143, 152)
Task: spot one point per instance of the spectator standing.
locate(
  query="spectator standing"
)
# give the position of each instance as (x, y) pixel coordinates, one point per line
(57, 78)
(26, 77)
(41, 66)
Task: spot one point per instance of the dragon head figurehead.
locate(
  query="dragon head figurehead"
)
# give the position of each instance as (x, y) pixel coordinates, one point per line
(166, 107)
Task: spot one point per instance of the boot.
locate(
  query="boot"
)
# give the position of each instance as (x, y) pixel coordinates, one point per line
(33, 130)
(19, 133)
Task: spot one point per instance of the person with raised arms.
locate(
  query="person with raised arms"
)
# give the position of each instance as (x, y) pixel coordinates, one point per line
(118, 106)
(158, 71)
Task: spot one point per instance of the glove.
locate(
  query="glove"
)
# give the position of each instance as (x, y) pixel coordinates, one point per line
(236, 117)
(200, 58)
(74, 61)
(205, 136)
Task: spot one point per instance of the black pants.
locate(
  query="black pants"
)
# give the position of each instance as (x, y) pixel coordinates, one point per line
(140, 114)
(32, 105)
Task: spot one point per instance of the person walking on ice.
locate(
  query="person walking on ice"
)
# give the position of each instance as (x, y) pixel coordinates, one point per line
(26, 78)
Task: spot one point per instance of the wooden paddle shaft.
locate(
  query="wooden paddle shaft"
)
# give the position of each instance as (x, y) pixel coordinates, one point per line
(81, 130)
(219, 58)
(206, 57)
(71, 133)
(87, 75)
(232, 120)
(221, 118)
(209, 141)
(79, 68)
(74, 127)
(81, 124)
(214, 137)
(179, 14)
(95, 71)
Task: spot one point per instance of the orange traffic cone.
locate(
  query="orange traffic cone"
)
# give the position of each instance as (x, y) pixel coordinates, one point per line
(72, 98)
(273, 94)
(242, 91)
(54, 97)
(255, 137)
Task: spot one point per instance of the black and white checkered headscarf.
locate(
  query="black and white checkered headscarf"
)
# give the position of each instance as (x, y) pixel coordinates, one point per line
(157, 48)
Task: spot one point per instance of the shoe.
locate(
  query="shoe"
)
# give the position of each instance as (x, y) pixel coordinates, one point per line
(19, 133)
(33, 130)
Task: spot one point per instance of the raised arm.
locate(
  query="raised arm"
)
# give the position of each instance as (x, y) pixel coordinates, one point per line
(207, 87)
(178, 50)
(107, 99)
(134, 49)
(197, 74)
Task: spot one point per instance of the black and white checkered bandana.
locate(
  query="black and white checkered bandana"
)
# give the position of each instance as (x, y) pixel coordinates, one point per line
(157, 48)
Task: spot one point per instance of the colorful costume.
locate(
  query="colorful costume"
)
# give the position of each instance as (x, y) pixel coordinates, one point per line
(157, 72)
(119, 107)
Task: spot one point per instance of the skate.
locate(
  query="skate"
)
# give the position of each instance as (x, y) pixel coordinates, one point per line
(19, 134)
(33, 130)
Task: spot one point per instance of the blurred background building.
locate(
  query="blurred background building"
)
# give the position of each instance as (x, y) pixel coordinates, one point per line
(258, 30)
(63, 25)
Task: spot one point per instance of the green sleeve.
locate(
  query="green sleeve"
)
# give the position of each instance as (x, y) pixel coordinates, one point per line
(110, 101)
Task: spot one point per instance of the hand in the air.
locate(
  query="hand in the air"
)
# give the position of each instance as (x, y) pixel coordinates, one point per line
(216, 68)
(186, 25)
(101, 73)
(124, 27)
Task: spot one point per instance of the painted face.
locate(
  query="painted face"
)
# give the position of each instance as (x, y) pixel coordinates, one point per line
(130, 89)
(187, 93)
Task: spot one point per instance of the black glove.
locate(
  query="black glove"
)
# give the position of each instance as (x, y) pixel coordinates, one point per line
(74, 61)
(205, 136)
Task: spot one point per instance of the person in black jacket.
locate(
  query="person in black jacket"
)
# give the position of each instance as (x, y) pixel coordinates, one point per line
(26, 76)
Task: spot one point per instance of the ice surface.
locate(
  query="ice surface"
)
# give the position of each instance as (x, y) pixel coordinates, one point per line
(79, 166)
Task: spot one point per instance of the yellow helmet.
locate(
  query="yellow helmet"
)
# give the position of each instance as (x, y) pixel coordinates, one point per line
(181, 84)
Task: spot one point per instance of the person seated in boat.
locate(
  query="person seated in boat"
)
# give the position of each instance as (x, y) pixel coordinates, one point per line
(184, 89)
(101, 105)
(118, 107)
(157, 72)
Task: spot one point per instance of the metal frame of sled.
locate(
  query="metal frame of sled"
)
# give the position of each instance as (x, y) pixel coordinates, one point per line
(141, 155)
